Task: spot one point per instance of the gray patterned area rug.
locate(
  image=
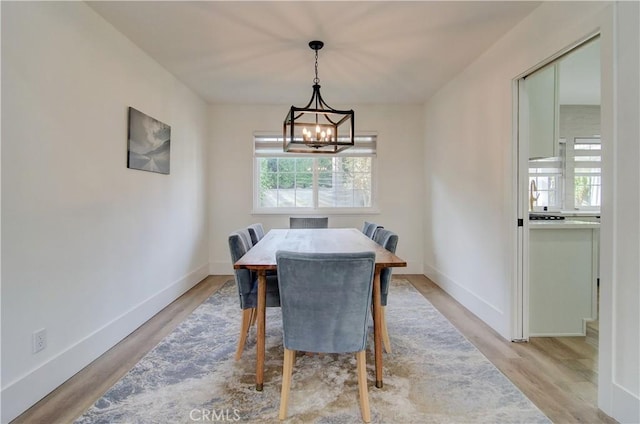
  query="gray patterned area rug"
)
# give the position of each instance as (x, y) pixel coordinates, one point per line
(433, 375)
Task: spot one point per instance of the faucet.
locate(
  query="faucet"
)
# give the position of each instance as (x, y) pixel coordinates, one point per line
(532, 199)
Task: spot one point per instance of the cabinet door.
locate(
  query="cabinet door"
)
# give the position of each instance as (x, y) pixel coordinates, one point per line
(562, 281)
(543, 111)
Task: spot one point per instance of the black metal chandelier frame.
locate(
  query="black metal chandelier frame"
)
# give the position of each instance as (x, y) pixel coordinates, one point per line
(317, 127)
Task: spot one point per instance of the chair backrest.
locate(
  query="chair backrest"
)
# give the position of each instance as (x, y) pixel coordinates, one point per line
(256, 231)
(244, 278)
(389, 240)
(369, 229)
(246, 236)
(309, 222)
(325, 300)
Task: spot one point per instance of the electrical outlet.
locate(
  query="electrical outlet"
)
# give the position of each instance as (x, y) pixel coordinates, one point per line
(39, 340)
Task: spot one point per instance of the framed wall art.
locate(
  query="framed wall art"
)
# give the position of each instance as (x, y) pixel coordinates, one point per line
(149, 143)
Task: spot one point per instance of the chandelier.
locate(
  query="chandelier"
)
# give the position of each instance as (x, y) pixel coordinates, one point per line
(317, 127)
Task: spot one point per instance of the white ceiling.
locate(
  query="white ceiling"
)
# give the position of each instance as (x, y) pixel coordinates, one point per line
(258, 53)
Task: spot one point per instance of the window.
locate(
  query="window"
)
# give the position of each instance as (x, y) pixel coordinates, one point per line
(293, 181)
(584, 170)
(572, 179)
(547, 173)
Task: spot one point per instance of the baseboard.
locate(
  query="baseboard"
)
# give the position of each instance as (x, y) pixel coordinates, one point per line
(21, 394)
(626, 405)
(487, 312)
(556, 335)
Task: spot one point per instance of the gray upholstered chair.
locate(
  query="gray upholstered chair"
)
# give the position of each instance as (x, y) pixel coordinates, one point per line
(308, 222)
(366, 226)
(326, 300)
(247, 283)
(388, 240)
(256, 231)
(246, 236)
(369, 229)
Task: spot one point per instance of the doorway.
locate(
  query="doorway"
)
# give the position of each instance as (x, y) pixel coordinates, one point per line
(559, 191)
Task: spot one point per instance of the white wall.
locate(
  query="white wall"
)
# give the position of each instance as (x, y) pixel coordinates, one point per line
(470, 203)
(399, 164)
(90, 248)
(619, 373)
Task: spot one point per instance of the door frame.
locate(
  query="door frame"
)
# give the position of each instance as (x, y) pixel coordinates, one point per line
(520, 316)
(520, 161)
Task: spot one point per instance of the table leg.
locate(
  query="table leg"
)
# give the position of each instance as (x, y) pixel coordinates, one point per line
(262, 307)
(377, 327)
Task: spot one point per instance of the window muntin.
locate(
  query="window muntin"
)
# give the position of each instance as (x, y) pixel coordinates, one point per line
(289, 181)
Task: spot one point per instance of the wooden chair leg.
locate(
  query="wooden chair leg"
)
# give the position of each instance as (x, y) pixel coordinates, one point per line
(287, 369)
(361, 361)
(244, 330)
(385, 334)
(254, 317)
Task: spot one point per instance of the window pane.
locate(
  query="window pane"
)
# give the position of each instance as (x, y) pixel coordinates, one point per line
(588, 171)
(547, 190)
(587, 147)
(325, 164)
(325, 179)
(285, 198)
(587, 191)
(349, 185)
(304, 189)
(268, 180)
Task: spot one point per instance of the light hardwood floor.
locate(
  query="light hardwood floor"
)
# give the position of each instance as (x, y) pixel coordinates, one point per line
(558, 374)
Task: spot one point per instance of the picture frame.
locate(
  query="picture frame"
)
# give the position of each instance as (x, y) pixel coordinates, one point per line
(148, 143)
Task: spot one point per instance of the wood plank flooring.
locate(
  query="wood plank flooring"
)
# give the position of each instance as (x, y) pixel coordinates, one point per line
(558, 374)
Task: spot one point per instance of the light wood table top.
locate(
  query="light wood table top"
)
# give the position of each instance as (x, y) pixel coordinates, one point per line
(314, 240)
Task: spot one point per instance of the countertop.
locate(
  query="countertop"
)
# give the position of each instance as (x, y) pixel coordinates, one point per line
(567, 212)
(563, 224)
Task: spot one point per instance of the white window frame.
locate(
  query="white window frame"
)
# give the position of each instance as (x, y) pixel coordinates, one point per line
(571, 165)
(270, 145)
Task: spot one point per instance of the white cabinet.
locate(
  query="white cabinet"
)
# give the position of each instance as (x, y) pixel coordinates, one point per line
(562, 279)
(542, 92)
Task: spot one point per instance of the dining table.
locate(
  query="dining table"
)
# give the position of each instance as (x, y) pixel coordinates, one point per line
(261, 258)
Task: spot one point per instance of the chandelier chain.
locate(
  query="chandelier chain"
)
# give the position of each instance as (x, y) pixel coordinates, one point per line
(316, 80)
